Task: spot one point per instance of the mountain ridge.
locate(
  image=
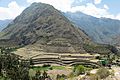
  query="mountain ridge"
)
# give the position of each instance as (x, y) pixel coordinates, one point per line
(44, 26)
(101, 30)
(4, 23)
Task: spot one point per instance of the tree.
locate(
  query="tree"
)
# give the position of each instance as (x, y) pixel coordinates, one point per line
(38, 76)
(45, 75)
(0, 66)
(61, 77)
(41, 76)
(18, 70)
(114, 49)
(31, 62)
(14, 68)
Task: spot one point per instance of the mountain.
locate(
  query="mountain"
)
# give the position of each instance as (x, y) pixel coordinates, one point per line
(101, 30)
(4, 23)
(44, 27)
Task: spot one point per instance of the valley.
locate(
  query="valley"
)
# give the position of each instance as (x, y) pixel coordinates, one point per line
(43, 43)
(64, 65)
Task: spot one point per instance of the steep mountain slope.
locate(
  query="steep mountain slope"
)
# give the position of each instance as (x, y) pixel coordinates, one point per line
(4, 23)
(44, 27)
(101, 30)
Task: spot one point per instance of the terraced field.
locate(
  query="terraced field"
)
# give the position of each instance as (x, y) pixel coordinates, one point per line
(64, 59)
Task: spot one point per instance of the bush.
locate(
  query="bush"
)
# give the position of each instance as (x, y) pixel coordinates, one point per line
(103, 73)
(71, 75)
(61, 77)
(101, 49)
(94, 77)
(79, 70)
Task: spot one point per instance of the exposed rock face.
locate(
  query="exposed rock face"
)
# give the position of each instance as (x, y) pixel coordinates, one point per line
(43, 26)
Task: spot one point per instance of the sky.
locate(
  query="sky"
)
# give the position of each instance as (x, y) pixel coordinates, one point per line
(9, 9)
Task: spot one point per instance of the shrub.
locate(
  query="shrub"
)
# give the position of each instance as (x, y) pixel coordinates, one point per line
(61, 77)
(103, 73)
(94, 77)
(79, 70)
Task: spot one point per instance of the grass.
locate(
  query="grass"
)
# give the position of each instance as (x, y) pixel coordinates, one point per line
(33, 70)
(58, 67)
(41, 68)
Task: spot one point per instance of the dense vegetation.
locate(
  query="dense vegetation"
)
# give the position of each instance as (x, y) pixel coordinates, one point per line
(102, 73)
(101, 49)
(14, 68)
(11, 67)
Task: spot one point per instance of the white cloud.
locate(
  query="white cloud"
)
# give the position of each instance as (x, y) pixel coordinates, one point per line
(11, 11)
(14, 9)
(97, 1)
(92, 10)
(117, 16)
(63, 5)
(89, 8)
(106, 7)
